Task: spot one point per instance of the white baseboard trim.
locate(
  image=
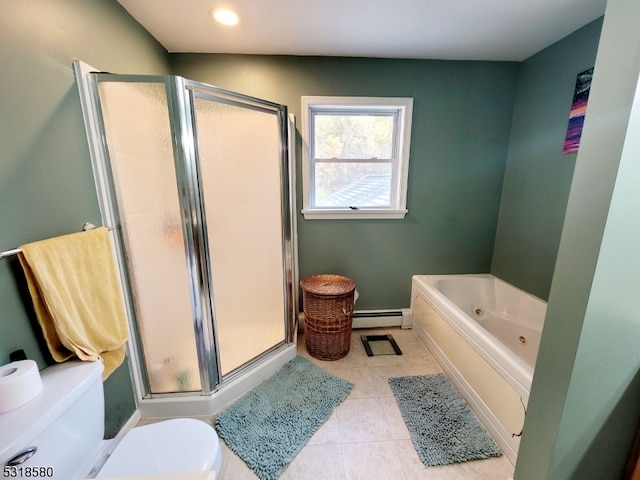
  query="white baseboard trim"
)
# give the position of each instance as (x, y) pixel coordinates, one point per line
(129, 424)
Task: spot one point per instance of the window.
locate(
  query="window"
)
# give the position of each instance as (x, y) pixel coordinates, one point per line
(355, 156)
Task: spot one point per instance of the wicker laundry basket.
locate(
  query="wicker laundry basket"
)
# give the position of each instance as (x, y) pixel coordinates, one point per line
(328, 310)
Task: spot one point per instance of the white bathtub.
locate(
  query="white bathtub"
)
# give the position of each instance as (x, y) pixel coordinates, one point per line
(485, 334)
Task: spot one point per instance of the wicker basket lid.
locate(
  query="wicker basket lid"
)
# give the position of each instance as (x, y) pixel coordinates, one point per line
(327, 284)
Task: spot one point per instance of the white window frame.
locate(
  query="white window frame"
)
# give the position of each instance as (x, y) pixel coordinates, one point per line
(400, 157)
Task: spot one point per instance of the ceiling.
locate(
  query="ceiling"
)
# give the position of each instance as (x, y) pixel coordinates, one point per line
(435, 29)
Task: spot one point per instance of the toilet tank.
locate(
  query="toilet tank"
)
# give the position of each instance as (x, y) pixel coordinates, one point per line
(64, 423)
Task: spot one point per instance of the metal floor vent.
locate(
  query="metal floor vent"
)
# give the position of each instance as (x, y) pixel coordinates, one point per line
(380, 345)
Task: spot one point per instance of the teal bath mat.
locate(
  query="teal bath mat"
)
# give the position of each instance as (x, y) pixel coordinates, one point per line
(268, 426)
(443, 428)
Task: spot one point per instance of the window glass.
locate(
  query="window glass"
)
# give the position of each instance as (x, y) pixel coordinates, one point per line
(345, 184)
(355, 156)
(353, 136)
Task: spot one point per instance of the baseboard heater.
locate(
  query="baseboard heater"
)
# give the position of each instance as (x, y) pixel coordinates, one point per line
(376, 318)
(382, 318)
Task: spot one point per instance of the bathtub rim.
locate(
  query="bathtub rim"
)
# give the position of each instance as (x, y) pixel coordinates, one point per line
(520, 375)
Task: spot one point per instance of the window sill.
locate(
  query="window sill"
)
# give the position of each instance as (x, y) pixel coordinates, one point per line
(344, 214)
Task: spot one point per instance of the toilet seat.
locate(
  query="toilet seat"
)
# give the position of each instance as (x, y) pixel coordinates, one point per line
(170, 446)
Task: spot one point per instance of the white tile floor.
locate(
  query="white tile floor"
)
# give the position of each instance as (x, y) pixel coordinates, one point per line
(366, 438)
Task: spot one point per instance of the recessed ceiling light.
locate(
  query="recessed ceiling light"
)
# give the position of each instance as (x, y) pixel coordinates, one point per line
(224, 16)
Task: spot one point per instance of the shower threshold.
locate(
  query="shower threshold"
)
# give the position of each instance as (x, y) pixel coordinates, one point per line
(203, 405)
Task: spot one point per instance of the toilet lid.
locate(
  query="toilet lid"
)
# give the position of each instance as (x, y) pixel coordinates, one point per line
(170, 446)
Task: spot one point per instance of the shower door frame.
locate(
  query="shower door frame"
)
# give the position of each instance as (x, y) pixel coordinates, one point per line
(180, 101)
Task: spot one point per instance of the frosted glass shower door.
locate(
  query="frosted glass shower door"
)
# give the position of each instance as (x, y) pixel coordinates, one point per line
(239, 150)
(197, 182)
(139, 140)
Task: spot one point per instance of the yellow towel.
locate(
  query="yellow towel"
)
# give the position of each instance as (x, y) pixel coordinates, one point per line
(77, 297)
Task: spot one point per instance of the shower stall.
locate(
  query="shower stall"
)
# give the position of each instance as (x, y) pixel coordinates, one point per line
(197, 185)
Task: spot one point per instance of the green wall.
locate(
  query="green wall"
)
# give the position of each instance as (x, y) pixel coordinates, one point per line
(461, 125)
(583, 412)
(538, 175)
(46, 183)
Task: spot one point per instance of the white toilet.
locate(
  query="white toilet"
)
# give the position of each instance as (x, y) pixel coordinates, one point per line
(61, 430)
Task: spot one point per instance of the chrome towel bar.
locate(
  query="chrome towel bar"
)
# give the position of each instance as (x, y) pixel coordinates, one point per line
(15, 251)
(10, 253)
